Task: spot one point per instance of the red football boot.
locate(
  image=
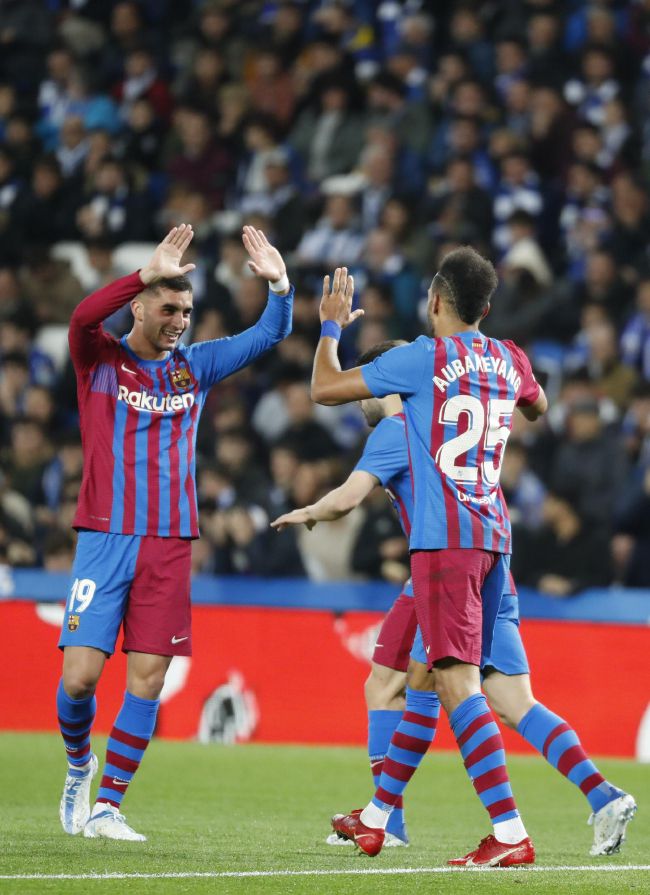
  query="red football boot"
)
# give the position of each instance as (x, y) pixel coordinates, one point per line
(369, 840)
(492, 853)
(345, 825)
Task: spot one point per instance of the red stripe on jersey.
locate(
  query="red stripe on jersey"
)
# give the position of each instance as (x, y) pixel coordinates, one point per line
(189, 478)
(437, 440)
(128, 453)
(499, 518)
(175, 475)
(483, 509)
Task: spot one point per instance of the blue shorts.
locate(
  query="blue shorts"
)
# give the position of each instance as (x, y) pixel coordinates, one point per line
(140, 581)
(507, 653)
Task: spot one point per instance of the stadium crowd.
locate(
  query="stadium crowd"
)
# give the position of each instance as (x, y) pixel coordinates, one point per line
(378, 135)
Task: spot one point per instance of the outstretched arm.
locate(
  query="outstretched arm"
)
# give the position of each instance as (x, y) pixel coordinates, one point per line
(330, 384)
(332, 505)
(86, 336)
(219, 358)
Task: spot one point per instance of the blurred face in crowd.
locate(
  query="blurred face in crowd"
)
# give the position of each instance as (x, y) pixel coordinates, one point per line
(601, 270)
(469, 99)
(584, 424)
(208, 67)
(45, 181)
(125, 20)
(162, 317)
(109, 178)
(73, 132)
(557, 512)
(138, 64)
(338, 210)
(587, 143)
(59, 66)
(39, 404)
(603, 344)
(284, 463)
(596, 67)
(298, 403)
(27, 442)
(542, 32)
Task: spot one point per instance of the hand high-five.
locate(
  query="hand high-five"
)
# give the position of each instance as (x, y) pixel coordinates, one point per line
(336, 304)
(166, 260)
(265, 260)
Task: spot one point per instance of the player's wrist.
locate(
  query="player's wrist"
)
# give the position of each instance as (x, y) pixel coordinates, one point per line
(147, 275)
(281, 286)
(331, 329)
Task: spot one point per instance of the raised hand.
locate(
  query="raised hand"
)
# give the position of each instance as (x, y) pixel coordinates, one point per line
(265, 260)
(336, 303)
(166, 260)
(295, 517)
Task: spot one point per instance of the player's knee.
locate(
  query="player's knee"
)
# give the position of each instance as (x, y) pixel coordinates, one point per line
(79, 683)
(148, 686)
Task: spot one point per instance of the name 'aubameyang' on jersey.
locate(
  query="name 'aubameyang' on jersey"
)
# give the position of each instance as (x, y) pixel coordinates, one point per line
(139, 418)
(459, 396)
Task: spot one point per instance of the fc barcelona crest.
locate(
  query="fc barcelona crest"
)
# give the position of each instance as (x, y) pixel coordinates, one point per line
(477, 345)
(181, 379)
(73, 622)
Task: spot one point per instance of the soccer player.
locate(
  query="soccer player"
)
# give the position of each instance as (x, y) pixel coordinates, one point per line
(506, 673)
(382, 461)
(459, 391)
(140, 399)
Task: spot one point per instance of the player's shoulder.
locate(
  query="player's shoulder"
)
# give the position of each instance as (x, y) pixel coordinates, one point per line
(517, 353)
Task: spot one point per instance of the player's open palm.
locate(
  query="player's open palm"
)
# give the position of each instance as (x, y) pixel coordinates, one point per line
(265, 260)
(295, 517)
(336, 302)
(166, 260)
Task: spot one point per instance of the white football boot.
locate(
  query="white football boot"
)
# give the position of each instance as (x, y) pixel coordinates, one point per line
(610, 824)
(74, 808)
(106, 822)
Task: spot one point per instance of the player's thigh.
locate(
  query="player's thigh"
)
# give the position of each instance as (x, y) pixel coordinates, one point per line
(395, 638)
(158, 616)
(418, 676)
(510, 695)
(101, 575)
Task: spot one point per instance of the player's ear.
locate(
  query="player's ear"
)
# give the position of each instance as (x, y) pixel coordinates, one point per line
(486, 311)
(137, 309)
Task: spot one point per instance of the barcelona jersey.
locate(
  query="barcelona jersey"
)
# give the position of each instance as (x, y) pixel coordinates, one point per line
(459, 396)
(139, 417)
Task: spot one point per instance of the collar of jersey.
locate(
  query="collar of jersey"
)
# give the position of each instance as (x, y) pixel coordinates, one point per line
(468, 334)
(141, 360)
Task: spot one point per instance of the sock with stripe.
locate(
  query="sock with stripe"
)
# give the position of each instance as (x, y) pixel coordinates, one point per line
(133, 728)
(560, 746)
(382, 724)
(408, 746)
(76, 717)
(481, 746)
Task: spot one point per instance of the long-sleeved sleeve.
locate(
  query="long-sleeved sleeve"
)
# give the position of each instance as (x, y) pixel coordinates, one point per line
(86, 335)
(215, 359)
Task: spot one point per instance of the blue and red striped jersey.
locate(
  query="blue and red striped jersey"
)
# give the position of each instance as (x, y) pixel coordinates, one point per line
(459, 397)
(386, 458)
(139, 418)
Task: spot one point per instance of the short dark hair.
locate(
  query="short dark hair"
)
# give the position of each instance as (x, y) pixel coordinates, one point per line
(174, 284)
(379, 349)
(466, 281)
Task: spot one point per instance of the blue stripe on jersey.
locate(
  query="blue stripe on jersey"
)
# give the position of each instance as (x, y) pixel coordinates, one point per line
(184, 505)
(421, 417)
(117, 511)
(165, 476)
(104, 379)
(141, 465)
(511, 396)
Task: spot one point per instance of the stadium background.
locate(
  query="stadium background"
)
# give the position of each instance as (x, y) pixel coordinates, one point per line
(377, 135)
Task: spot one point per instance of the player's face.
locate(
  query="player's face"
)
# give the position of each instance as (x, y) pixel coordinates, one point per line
(373, 411)
(166, 317)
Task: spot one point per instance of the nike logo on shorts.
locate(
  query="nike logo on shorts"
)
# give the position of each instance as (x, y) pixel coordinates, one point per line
(176, 639)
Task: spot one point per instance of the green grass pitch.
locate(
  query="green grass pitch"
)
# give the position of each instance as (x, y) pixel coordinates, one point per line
(215, 810)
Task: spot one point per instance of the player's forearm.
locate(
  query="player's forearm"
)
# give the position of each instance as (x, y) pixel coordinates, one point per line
(335, 505)
(327, 368)
(275, 322)
(105, 301)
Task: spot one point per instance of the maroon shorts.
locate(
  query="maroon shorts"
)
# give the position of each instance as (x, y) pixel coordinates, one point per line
(158, 611)
(395, 638)
(449, 602)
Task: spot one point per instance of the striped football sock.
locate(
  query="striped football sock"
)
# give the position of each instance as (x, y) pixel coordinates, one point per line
(134, 727)
(410, 742)
(381, 727)
(560, 746)
(481, 746)
(76, 717)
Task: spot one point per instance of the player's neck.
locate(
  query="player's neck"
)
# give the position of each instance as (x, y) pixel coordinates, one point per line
(143, 348)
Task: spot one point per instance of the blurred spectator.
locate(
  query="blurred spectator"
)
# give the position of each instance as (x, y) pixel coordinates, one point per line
(142, 81)
(380, 549)
(567, 555)
(635, 340)
(335, 240)
(201, 163)
(523, 490)
(112, 208)
(591, 462)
